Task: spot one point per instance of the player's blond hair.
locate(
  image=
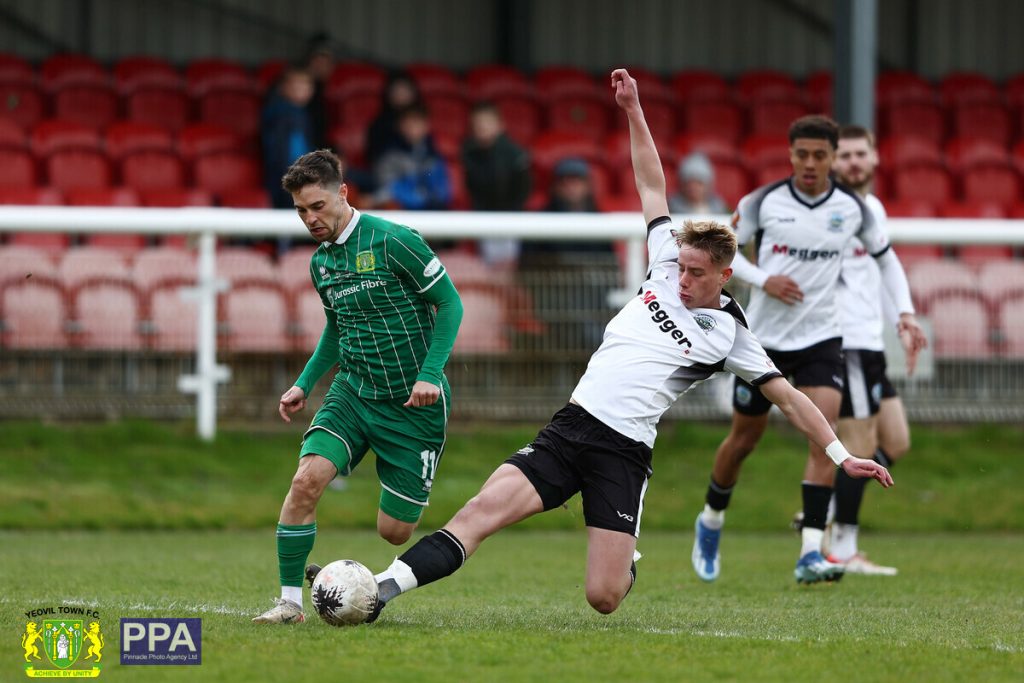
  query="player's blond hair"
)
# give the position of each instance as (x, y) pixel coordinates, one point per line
(714, 238)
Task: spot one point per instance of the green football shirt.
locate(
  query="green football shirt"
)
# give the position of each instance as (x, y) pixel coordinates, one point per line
(377, 280)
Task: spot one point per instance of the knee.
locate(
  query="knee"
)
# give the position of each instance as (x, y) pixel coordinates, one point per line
(396, 535)
(305, 490)
(603, 600)
(742, 443)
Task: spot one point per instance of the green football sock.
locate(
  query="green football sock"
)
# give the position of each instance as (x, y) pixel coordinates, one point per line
(294, 543)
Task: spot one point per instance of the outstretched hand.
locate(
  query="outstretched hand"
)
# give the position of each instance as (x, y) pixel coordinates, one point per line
(860, 468)
(912, 338)
(292, 401)
(626, 94)
(423, 394)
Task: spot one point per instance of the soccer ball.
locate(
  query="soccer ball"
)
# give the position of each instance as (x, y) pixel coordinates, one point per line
(344, 593)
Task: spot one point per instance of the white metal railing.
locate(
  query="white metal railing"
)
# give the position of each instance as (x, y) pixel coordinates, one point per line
(209, 223)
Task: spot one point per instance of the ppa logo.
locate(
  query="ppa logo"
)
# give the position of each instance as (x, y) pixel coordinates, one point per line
(161, 641)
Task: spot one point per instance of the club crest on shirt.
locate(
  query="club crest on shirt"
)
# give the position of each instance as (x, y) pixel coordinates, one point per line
(365, 262)
(835, 222)
(705, 322)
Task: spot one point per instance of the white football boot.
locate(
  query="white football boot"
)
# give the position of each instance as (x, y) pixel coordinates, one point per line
(283, 612)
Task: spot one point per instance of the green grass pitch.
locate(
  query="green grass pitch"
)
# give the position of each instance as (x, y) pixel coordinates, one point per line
(141, 520)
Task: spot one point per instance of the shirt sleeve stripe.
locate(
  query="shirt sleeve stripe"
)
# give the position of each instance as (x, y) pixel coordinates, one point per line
(432, 282)
(765, 377)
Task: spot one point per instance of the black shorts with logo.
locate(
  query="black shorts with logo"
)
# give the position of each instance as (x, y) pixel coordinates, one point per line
(576, 452)
(866, 384)
(819, 365)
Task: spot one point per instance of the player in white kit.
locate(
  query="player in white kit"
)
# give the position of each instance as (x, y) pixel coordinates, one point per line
(679, 330)
(872, 421)
(800, 228)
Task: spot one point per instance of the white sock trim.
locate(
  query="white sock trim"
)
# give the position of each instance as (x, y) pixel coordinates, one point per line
(711, 518)
(811, 540)
(293, 593)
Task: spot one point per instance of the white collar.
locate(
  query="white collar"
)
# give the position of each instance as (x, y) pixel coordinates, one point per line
(349, 227)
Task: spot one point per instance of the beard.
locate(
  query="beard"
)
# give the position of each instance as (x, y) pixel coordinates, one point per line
(861, 186)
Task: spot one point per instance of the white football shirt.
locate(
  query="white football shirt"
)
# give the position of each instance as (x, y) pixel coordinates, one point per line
(860, 290)
(805, 241)
(656, 349)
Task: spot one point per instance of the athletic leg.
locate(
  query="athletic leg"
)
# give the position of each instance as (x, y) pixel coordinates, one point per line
(893, 430)
(609, 560)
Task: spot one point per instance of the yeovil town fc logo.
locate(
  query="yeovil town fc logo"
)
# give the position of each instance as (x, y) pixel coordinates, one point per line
(62, 641)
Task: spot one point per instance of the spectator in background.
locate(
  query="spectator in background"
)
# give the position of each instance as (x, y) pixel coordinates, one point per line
(319, 60)
(412, 174)
(497, 173)
(400, 93)
(572, 187)
(696, 188)
(286, 130)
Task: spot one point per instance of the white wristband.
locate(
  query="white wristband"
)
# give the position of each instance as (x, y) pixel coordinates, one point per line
(837, 451)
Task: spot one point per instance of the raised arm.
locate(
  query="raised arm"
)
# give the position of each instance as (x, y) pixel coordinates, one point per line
(647, 169)
(806, 417)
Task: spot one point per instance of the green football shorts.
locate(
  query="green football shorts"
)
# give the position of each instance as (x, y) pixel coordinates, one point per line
(408, 443)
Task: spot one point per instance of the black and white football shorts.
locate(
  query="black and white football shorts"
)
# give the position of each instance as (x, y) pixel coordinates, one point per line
(576, 452)
(866, 384)
(819, 365)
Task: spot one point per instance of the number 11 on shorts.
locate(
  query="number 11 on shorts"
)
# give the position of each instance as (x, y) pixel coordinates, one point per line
(429, 468)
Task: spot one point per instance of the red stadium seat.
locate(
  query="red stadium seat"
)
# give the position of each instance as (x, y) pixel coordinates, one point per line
(1011, 325)
(489, 81)
(961, 327)
(176, 197)
(19, 263)
(151, 170)
(200, 139)
(449, 113)
(163, 266)
(766, 84)
(661, 119)
(52, 243)
(627, 203)
(61, 70)
(926, 182)
(435, 79)
(245, 198)
(355, 79)
(241, 265)
(696, 84)
(561, 81)
(1000, 278)
(17, 168)
(55, 136)
(223, 171)
(550, 147)
(447, 144)
(159, 106)
(91, 264)
(713, 146)
(931, 279)
(772, 173)
(901, 150)
(983, 120)
(978, 256)
(1017, 156)
(125, 244)
(173, 319)
(899, 87)
(992, 183)
(78, 169)
(485, 323)
(759, 151)
(14, 69)
(104, 196)
(350, 143)
(256, 319)
(357, 111)
(818, 87)
(972, 209)
(238, 110)
(28, 195)
(961, 87)
(522, 116)
(773, 117)
(269, 72)
(33, 315)
(914, 118)
(731, 182)
(107, 316)
(293, 270)
(133, 73)
(712, 117)
(965, 153)
(204, 76)
(912, 254)
(579, 113)
(310, 319)
(22, 103)
(127, 137)
(91, 105)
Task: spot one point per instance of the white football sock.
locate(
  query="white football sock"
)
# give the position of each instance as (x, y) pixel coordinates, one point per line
(811, 540)
(293, 593)
(844, 540)
(401, 573)
(711, 518)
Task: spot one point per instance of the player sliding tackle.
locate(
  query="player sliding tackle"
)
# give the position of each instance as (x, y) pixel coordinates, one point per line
(680, 330)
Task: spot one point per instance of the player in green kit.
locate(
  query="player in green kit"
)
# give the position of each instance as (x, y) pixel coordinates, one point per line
(392, 316)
